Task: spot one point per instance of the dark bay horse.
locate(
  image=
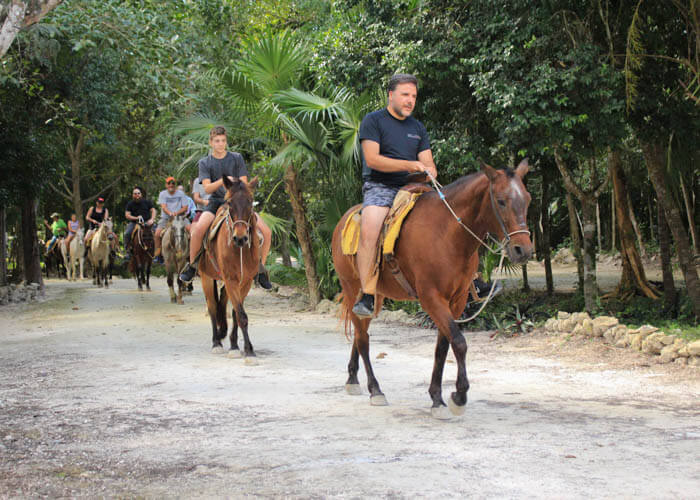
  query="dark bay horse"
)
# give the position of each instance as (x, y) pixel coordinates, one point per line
(142, 247)
(232, 257)
(437, 256)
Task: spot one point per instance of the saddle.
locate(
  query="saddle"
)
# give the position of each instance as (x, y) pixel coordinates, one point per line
(403, 204)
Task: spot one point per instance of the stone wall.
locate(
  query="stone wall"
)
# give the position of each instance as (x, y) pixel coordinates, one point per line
(647, 339)
(13, 294)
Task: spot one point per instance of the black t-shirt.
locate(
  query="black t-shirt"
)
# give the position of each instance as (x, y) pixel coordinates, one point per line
(214, 169)
(398, 139)
(140, 207)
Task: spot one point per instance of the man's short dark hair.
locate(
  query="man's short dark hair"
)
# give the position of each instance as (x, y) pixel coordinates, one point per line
(400, 78)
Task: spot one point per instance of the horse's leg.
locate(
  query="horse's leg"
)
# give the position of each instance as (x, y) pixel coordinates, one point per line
(180, 286)
(234, 352)
(147, 273)
(361, 344)
(439, 310)
(242, 319)
(170, 286)
(105, 270)
(211, 296)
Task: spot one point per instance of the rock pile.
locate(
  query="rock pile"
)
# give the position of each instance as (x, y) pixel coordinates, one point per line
(647, 339)
(13, 294)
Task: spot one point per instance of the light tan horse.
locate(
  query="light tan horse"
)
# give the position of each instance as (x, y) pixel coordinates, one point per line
(75, 256)
(99, 253)
(176, 251)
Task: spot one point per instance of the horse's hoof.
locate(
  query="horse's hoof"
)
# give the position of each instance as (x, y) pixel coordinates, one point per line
(251, 361)
(173, 301)
(455, 409)
(378, 400)
(181, 302)
(353, 389)
(440, 413)
(234, 354)
(217, 350)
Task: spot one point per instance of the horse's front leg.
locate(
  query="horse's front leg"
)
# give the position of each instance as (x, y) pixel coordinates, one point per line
(171, 289)
(449, 334)
(180, 286)
(234, 352)
(105, 270)
(147, 274)
(361, 345)
(242, 319)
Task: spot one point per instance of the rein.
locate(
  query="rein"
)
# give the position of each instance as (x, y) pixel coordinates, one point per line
(230, 223)
(502, 244)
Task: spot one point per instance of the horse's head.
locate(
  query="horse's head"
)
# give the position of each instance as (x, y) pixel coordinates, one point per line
(239, 198)
(178, 231)
(509, 202)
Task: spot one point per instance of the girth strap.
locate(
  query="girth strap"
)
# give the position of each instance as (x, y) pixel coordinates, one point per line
(398, 275)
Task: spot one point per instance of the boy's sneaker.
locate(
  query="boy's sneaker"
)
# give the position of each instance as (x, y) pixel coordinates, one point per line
(364, 308)
(188, 273)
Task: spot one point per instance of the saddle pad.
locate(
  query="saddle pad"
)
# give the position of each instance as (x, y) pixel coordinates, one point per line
(215, 225)
(403, 203)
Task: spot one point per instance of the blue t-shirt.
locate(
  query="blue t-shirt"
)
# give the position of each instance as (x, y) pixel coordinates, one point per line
(398, 139)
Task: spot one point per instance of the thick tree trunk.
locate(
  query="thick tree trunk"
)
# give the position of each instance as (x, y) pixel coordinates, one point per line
(666, 266)
(635, 225)
(613, 208)
(3, 246)
(22, 13)
(303, 233)
(590, 285)
(74, 153)
(633, 278)
(599, 229)
(284, 250)
(545, 239)
(30, 250)
(655, 160)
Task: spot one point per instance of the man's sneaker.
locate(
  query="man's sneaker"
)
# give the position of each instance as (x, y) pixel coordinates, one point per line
(262, 278)
(188, 273)
(158, 259)
(364, 308)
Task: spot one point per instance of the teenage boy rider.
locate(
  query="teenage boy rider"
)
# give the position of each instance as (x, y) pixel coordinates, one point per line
(212, 168)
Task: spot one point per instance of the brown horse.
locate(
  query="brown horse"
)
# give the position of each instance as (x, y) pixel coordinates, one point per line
(232, 257)
(437, 256)
(142, 248)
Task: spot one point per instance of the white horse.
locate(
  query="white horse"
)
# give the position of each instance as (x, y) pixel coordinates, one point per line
(76, 255)
(99, 253)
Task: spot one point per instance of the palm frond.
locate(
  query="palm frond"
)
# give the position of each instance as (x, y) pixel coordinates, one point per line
(277, 225)
(306, 104)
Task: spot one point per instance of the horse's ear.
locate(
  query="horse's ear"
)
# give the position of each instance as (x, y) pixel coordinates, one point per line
(523, 168)
(490, 172)
(252, 185)
(227, 182)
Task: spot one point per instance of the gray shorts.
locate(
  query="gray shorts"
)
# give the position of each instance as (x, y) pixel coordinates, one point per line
(164, 218)
(376, 194)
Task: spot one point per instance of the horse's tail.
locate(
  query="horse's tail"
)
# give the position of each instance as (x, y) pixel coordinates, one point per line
(345, 308)
(220, 300)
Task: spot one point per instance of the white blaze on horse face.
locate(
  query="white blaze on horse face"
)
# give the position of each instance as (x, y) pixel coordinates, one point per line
(518, 199)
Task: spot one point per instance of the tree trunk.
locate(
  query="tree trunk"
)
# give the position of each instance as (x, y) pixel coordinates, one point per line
(303, 233)
(655, 160)
(635, 225)
(691, 216)
(633, 278)
(545, 239)
(526, 282)
(3, 246)
(74, 153)
(30, 250)
(599, 229)
(666, 266)
(575, 238)
(613, 207)
(22, 13)
(590, 285)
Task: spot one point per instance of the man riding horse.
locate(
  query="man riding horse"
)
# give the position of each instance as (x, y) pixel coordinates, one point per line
(212, 169)
(58, 229)
(393, 145)
(173, 202)
(138, 210)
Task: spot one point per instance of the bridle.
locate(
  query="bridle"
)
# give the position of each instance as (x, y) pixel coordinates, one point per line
(506, 238)
(231, 227)
(502, 244)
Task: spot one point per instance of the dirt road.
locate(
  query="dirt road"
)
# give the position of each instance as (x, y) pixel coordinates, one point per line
(115, 393)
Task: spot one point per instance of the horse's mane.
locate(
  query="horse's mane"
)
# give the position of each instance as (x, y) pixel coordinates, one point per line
(466, 180)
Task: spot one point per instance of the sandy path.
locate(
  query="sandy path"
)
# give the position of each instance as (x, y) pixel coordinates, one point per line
(115, 393)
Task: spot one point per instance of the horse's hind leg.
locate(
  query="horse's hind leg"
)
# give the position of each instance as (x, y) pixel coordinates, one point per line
(105, 271)
(148, 274)
(213, 307)
(361, 344)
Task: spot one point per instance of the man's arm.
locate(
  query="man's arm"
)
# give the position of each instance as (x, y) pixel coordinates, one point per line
(199, 200)
(370, 150)
(426, 158)
(153, 216)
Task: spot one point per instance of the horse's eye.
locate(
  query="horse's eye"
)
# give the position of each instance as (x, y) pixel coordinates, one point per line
(502, 203)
